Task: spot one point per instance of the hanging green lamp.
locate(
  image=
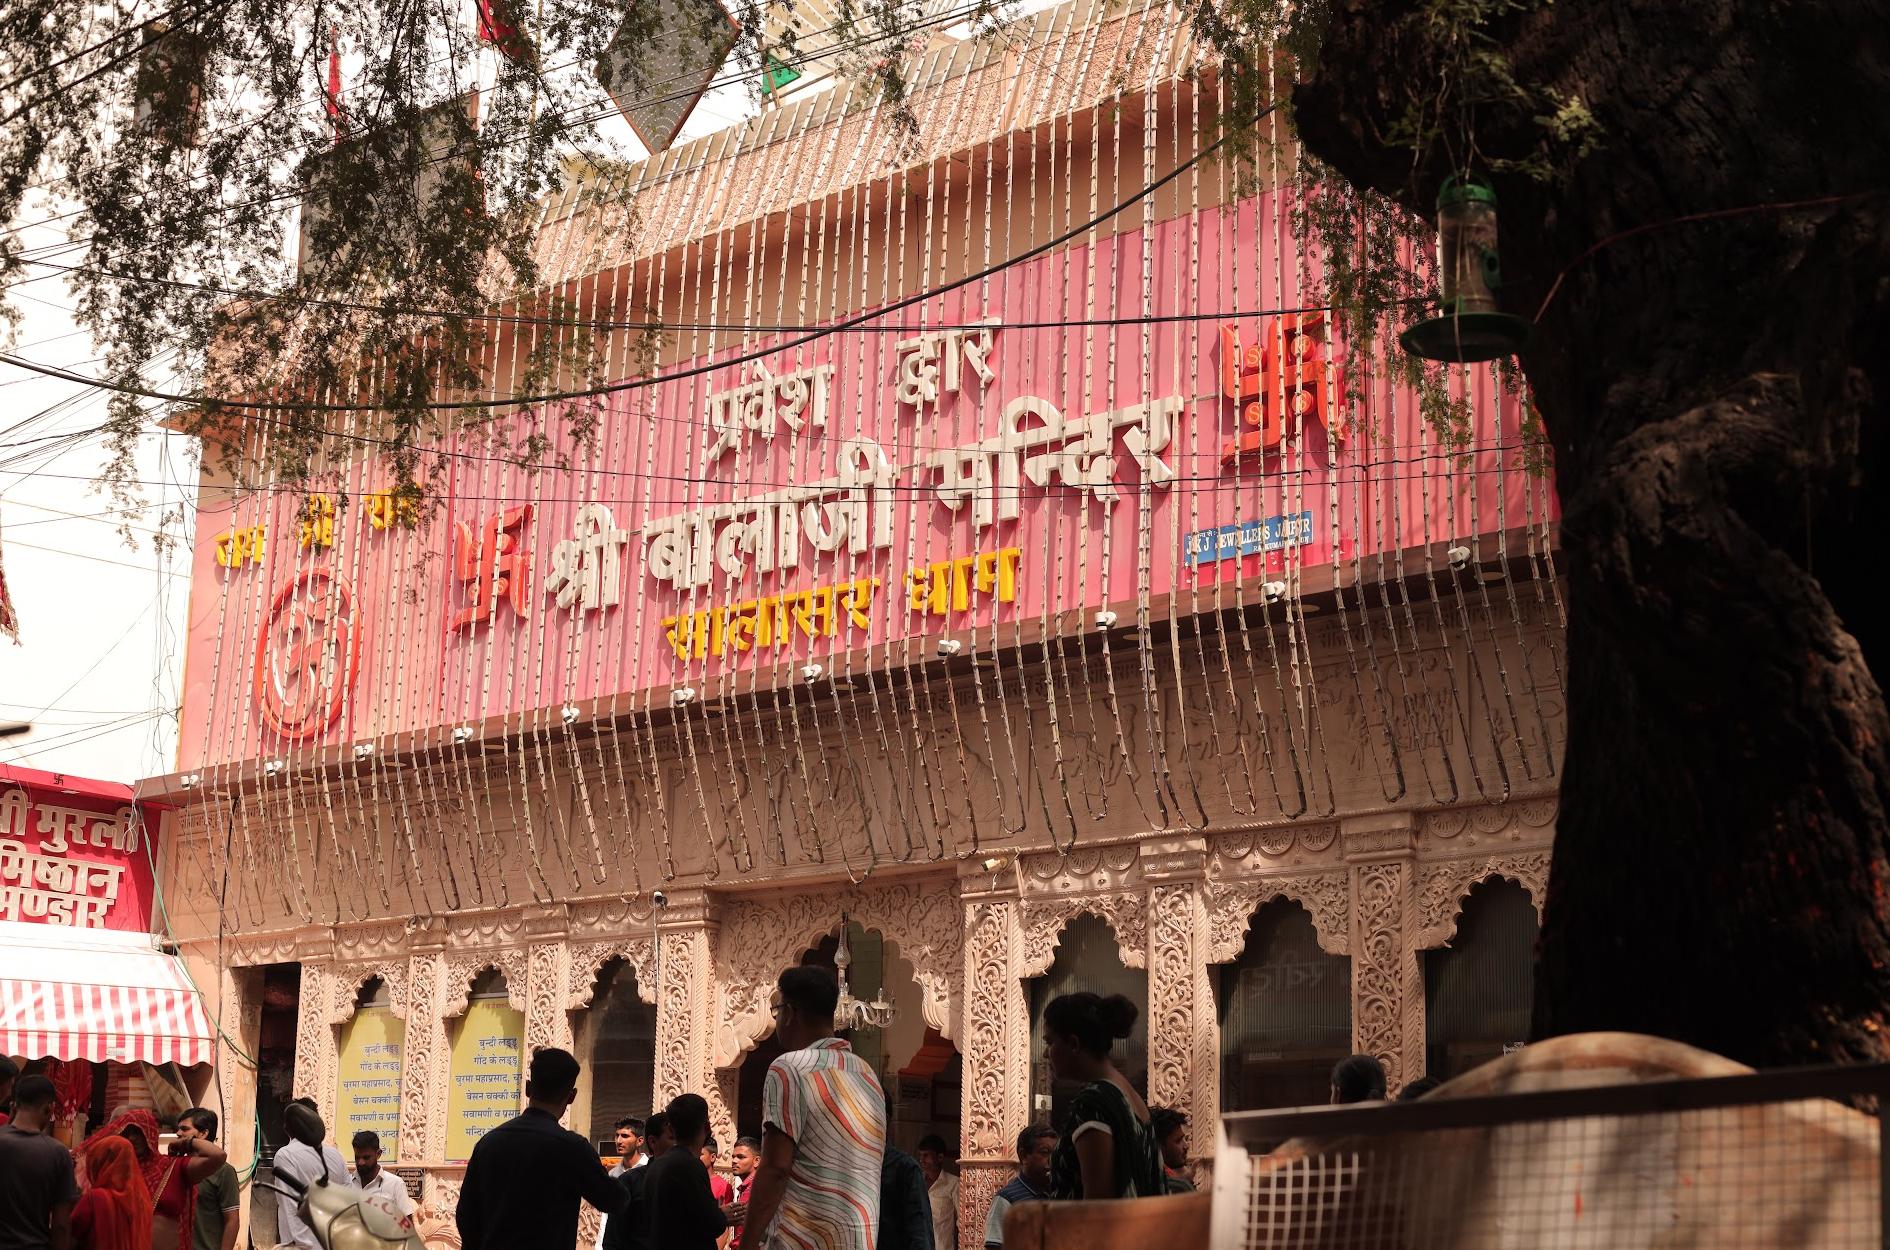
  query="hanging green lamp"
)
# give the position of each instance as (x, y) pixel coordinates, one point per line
(1468, 327)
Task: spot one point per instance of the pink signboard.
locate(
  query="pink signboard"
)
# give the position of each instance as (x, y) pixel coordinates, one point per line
(1151, 414)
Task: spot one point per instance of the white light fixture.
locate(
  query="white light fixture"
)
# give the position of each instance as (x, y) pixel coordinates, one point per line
(190, 781)
(682, 694)
(996, 863)
(1105, 620)
(569, 713)
(812, 672)
(364, 750)
(462, 734)
(1459, 558)
(272, 768)
(1274, 591)
(850, 1012)
(948, 647)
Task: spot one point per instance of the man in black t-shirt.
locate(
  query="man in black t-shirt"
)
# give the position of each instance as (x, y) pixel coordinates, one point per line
(525, 1177)
(684, 1214)
(37, 1189)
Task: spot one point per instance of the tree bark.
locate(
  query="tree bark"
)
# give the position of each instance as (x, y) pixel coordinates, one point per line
(1718, 396)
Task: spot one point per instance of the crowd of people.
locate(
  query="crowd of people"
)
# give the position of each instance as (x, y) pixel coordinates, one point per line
(822, 1173)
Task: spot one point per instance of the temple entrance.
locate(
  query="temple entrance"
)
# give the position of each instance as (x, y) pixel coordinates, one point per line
(1286, 1013)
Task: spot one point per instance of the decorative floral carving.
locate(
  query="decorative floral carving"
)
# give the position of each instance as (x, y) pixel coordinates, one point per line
(683, 986)
(1275, 840)
(359, 943)
(1443, 885)
(1087, 870)
(994, 1012)
(463, 970)
(589, 958)
(345, 982)
(1044, 919)
(978, 1184)
(1378, 981)
(1327, 897)
(313, 1036)
(1318, 837)
(484, 928)
(546, 1022)
(611, 915)
(424, 1045)
(762, 936)
(1516, 820)
(1171, 1000)
(441, 1200)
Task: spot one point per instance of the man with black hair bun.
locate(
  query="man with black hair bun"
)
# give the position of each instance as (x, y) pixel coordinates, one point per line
(526, 1177)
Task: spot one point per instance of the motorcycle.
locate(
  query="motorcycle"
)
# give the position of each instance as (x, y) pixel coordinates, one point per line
(342, 1217)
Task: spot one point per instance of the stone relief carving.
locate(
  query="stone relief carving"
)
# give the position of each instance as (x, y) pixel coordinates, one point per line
(978, 1184)
(546, 1021)
(1092, 870)
(462, 970)
(1327, 896)
(1171, 1000)
(611, 915)
(588, 959)
(1443, 885)
(1520, 820)
(425, 1046)
(683, 986)
(313, 1036)
(361, 942)
(760, 937)
(993, 1012)
(1044, 919)
(345, 982)
(1272, 847)
(1379, 1000)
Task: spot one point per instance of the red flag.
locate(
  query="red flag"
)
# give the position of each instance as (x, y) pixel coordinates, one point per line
(331, 94)
(496, 28)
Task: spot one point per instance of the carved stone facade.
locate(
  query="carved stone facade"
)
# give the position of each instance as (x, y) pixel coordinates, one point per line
(1379, 887)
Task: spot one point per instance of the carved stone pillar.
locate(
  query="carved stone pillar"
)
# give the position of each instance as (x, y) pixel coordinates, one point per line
(315, 1058)
(995, 1044)
(423, 1074)
(1387, 981)
(547, 980)
(685, 1007)
(1183, 1029)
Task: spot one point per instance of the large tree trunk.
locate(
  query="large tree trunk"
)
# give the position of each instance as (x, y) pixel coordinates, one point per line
(1717, 392)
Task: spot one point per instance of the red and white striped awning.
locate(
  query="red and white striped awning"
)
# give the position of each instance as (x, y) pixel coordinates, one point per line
(97, 996)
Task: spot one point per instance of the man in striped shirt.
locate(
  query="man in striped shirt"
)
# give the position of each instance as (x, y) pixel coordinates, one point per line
(823, 1130)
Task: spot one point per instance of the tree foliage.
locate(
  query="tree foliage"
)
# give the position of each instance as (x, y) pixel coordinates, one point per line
(340, 259)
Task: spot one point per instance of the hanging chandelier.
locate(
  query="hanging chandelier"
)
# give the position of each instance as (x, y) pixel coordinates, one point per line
(850, 1012)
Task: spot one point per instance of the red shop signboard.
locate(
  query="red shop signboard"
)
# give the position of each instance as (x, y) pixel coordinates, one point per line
(73, 853)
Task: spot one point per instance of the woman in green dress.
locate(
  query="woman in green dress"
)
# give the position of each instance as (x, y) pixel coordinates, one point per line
(1108, 1149)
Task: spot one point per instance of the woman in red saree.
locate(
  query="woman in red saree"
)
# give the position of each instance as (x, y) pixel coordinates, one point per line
(114, 1213)
(169, 1179)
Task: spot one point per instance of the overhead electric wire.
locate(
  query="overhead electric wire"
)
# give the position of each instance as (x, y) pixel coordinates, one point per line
(633, 384)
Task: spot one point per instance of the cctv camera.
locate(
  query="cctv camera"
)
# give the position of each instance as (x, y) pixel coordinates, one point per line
(1274, 591)
(949, 647)
(1459, 557)
(659, 898)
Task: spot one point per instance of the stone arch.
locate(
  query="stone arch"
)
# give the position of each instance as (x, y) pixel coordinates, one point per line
(761, 936)
(345, 982)
(589, 958)
(1326, 896)
(1443, 887)
(1043, 923)
(463, 970)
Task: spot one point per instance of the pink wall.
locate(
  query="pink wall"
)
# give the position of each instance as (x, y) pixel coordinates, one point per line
(1387, 485)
